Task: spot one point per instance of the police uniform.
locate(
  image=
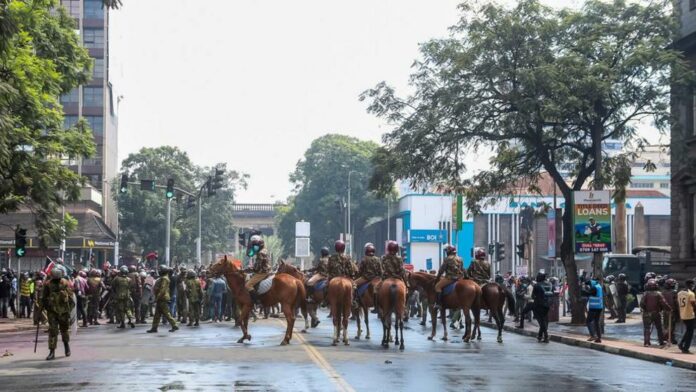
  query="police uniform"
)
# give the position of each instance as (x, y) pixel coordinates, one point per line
(162, 298)
(194, 294)
(652, 304)
(480, 271)
(370, 270)
(340, 264)
(321, 271)
(452, 270)
(136, 292)
(121, 287)
(58, 301)
(393, 267)
(261, 269)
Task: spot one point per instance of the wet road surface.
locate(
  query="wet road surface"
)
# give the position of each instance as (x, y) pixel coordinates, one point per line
(208, 358)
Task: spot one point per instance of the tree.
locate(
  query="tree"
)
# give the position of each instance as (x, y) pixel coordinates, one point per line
(143, 212)
(40, 59)
(542, 88)
(321, 190)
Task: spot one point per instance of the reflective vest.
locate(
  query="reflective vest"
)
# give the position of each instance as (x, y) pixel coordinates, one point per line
(596, 301)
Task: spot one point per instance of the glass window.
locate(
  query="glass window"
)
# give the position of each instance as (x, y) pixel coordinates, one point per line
(73, 7)
(93, 96)
(69, 121)
(642, 185)
(96, 123)
(98, 69)
(71, 97)
(94, 9)
(93, 38)
(664, 185)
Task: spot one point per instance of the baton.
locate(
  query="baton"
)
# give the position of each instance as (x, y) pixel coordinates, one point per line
(36, 339)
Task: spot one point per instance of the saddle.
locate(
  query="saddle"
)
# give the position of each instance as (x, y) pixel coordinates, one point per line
(320, 284)
(263, 286)
(447, 290)
(363, 288)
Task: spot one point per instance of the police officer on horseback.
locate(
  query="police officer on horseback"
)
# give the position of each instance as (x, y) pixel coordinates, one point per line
(340, 264)
(370, 269)
(480, 269)
(262, 264)
(321, 272)
(452, 269)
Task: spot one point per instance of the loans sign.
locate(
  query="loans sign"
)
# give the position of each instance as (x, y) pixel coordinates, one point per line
(592, 221)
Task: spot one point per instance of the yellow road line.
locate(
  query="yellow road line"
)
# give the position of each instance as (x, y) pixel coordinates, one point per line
(323, 364)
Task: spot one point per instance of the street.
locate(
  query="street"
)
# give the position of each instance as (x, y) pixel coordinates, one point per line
(207, 358)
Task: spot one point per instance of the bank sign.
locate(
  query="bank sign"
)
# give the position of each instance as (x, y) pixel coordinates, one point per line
(428, 236)
(592, 221)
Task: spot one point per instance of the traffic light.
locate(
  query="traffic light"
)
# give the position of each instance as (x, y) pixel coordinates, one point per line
(209, 185)
(491, 248)
(520, 251)
(217, 180)
(124, 183)
(170, 188)
(499, 251)
(147, 185)
(242, 239)
(20, 242)
(191, 202)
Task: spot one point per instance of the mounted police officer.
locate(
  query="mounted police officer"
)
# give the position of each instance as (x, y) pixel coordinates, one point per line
(480, 268)
(452, 269)
(121, 287)
(321, 272)
(370, 269)
(262, 264)
(162, 299)
(340, 264)
(58, 301)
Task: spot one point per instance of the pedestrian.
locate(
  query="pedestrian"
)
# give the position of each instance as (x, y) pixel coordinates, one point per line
(652, 304)
(5, 290)
(609, 289)
(147, 298)
(219, 288)
(58, 302)
(595, 306)
(542, 294)
(26, 289)
(622, 291)
(671, 316)
(80, 287)
(162, 300)
(39, 312)
(520, 302)
(687, 304)
(528, 302)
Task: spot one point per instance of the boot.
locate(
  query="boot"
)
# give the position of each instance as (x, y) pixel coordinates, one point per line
(190, 323)
(196, 324)
(130, 324)
(51, 355)
(67, 348)
(123, 325)
(174, 328)
(152, 330)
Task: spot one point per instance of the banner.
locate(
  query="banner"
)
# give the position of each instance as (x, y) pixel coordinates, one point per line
(551, 224)
(592, 221)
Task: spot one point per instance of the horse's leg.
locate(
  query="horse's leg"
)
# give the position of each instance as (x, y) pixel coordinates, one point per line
(396, 328)
(443, 317)
(245, 323)
(357, 320)
(467, 332)
(401, 330)
(337, 327)
(366, 314)
(501, 323)
(433, 319)
(289, 313)
(346, 320)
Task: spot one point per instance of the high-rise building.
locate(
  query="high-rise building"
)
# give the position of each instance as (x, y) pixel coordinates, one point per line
(95, 102)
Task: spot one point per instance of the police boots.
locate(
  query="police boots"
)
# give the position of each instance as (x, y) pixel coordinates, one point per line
(51, 355)
(130, 324)
(67, 348)
(122, 325)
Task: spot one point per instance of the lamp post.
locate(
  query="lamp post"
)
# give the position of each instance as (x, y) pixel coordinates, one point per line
(169, 231)
(350, 232)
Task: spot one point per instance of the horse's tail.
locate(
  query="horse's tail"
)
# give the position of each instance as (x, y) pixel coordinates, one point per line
(392, 298)
(301, 297)
(510, 300)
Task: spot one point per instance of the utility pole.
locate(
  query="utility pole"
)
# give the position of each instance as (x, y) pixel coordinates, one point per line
(169, 214)
(350, 232)
(198, 240)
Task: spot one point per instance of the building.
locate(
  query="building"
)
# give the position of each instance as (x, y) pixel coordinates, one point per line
(95, 102)
(656, 179)
(248, 217)
(683, 154)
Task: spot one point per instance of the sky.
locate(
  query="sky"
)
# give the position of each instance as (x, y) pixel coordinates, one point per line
(251, 83)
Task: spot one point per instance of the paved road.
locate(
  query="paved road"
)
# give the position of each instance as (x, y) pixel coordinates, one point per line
(207, 358)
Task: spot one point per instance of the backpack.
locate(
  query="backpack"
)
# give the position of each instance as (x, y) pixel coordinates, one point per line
(548, 294)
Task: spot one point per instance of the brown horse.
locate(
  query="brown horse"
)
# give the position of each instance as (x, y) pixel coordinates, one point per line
(493, 298)
(340, 298)
(295, 272)
(365, 302)
(285, 289)
(392, 299)
(466, 297)
(317, 296)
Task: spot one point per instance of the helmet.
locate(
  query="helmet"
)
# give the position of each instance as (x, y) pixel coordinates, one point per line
(191, 274)
(650, 275)
(450, 250)
(541, 276)
(369, 249)
(82, 274)
(57, 272)
(123, 270)
(479, 254)
(340, 246)
(392, 247)
(670, 284)
(143, 274)
(132, 268)
(256, 240)
(622, 277)
(324, 252)
(609, 279)
(499, 279)
(163, 269)
(660, 280)
(651, 284)
(106, 266)
(182, 268)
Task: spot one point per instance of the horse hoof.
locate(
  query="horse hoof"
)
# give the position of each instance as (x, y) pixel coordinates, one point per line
(367, 337)
(385, 345)
(357, 338)
(334, 344)
(401, 347)
(500, 340)
(241, 340)
(283, 343)
(466, 340)
(430, 338)
(478, 338)
(445, 338)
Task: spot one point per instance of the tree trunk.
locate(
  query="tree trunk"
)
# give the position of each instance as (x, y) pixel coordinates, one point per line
(568, 257)
(620, 223)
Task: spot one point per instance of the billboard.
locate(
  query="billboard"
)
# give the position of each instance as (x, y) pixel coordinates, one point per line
(592, 221)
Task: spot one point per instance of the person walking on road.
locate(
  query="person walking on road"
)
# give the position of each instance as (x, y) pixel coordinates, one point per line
(652, 304)
(595, 306)
(58, 302)
(542, 294)
(622, 291)
(671, 316)
(687, 304)
(162, 300)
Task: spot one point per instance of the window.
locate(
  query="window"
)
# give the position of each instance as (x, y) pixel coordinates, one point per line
(94, 9)
(69, 121)
(98, 69)
(73, 7)
(93, 96)
(93, 38)
(664, 185)
(642, 185)
(71, 97)
(96, 123)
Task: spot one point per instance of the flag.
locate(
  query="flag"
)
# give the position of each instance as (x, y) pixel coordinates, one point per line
(49, 266)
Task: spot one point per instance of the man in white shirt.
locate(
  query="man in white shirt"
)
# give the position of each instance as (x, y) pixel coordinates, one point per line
(687, 302)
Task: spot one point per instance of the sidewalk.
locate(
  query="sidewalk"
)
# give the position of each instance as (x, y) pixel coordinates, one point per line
(621, 339)
(16, 325)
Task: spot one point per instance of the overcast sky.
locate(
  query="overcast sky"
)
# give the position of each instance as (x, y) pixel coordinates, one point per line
(251, 83)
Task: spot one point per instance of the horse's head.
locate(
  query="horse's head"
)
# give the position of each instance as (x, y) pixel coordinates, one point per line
(223, 266)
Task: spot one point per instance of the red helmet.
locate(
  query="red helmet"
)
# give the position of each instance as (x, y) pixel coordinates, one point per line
(479, 254)
(370, 249)
(340, 246)
(106, 266)
(450, 250)
(651, 284)
(82, 274)
(392, 247)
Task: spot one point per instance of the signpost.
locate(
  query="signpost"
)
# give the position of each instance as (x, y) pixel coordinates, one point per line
(302, 242)
(592, 221)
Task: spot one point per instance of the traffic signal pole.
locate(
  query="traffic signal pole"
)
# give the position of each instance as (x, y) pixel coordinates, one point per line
(169, 231)
(198, 240)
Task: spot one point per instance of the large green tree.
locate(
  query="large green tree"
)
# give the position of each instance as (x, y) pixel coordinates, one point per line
(40, 59)
(321, 190)
(143, 212)
(540, 87)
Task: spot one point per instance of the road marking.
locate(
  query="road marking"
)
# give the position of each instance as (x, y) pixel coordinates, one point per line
(323, 364)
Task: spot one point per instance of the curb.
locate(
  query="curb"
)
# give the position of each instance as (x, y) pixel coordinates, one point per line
(16, 328)
(601, 347)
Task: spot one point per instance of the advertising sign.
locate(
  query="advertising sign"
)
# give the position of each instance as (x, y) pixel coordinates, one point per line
(428, 236)
(302, 247)
(592, 221)
(551, 223)
(302, 229)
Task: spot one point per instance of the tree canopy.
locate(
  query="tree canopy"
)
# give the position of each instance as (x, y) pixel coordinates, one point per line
(542, 88)
(321, 190)
(40, 59)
